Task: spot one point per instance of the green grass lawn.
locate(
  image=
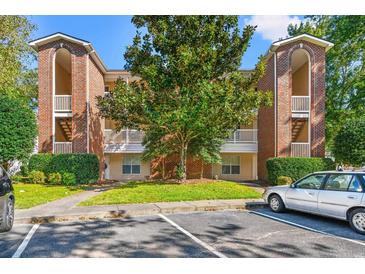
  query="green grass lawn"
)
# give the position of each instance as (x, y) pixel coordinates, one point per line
(149, 192)
(29, 195)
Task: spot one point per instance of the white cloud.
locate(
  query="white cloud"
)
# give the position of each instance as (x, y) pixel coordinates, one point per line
(272, 27)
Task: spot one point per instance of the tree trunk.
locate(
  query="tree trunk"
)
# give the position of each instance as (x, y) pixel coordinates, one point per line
(163, 168)
(183, 157)
(201, 170)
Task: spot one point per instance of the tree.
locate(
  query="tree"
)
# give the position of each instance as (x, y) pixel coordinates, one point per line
(349, 143)
(345, 66)
(16, 79)
(190, 95)
(18, 130)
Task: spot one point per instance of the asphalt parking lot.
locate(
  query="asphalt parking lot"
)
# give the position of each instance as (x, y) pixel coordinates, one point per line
(196, 235)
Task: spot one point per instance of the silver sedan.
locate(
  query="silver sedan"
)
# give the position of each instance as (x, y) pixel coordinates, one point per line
(337, 194)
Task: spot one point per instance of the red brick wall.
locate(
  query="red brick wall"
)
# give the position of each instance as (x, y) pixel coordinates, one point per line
(46, 55)
(317, 59)
(266, 122)
(266, 128)
(193, 168)
(45, 101)
(96, 124)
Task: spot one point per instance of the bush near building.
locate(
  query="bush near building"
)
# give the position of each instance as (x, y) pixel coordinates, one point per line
(83, 167)
(296, 168)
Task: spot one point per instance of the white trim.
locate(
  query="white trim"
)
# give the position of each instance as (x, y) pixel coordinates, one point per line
(53, 98)
(315, 40)
(88, 46)
(87, 104)
(275, 107)
(56, 36)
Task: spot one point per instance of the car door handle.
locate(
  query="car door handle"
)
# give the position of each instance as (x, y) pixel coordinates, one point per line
(311, 193)
(351, 197)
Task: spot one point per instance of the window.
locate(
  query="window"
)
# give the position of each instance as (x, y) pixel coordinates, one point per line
(311, 182)
(131, 164)
(230, 164)
(338, 182)
(355, 185)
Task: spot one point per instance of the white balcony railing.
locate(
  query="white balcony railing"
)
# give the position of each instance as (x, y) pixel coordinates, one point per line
(62, 103)
(300, 150)
(125, 136)
(62, 147)
(243, 136)
(300, 103)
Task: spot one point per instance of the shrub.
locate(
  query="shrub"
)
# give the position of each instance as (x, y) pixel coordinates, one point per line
(349, 143)
(69, 179)
(55, 178)
(179, 173)
(296, 168)
(19, 179)
(284, 180)
(40, 162)
(37, 177)
(84, 166)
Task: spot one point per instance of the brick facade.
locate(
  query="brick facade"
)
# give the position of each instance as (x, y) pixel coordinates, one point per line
(274, 123)
(266, 117)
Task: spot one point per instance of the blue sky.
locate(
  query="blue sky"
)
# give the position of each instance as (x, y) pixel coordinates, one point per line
(110, 35)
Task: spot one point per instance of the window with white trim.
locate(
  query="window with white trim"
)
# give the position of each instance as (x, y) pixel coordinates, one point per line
(230, 164)
(131, 164)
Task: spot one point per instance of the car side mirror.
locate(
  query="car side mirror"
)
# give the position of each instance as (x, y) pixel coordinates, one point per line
(292, 185)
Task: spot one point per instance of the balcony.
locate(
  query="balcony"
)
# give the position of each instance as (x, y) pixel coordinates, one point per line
(300, 103)
(243, 136)
(300, 150)
(242, 140)
(62, 147)
(62, 103)
(127, 140)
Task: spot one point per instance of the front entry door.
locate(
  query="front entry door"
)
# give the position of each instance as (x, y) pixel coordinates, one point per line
(107, 167)
(304, 194)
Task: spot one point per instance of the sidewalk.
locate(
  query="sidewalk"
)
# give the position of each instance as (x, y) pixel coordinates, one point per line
(42, 214)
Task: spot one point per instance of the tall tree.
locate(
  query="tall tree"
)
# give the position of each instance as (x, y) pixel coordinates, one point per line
(349, 143)
(15, 56)
(18, 130)
(345, 66)
(190, 95)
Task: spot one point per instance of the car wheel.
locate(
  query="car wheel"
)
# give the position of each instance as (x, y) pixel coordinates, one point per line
(357, 220)
(8, 216)
(276, 203)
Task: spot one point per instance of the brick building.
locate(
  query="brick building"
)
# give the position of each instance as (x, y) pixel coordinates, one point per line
(71, 75)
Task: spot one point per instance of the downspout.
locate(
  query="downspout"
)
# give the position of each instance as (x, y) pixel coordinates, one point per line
(275, 107)
(87, 103)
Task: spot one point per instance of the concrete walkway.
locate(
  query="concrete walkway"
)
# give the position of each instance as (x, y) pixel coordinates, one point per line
(59, 206)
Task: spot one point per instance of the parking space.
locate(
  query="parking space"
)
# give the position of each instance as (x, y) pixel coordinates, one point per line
(203, 234)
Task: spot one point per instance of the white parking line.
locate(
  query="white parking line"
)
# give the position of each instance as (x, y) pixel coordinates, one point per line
(306, 227)
(25, 242)
(195, 239)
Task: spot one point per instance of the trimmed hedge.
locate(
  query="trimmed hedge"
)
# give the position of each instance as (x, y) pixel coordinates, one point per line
(85, 167)
(296, 168)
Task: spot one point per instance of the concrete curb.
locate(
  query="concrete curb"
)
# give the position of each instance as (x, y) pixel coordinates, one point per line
(125, 211)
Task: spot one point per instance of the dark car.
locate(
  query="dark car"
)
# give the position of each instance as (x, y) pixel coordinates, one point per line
(7, 200)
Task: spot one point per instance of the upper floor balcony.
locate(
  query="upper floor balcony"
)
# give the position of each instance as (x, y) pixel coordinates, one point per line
(130, 140)
(300, 149)
(63, 103)
(241, 140)
(300, 103)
